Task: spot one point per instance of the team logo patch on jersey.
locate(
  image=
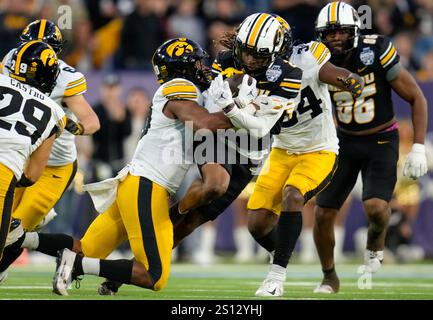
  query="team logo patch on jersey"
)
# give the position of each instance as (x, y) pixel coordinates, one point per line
(273, 73)
(367, 56)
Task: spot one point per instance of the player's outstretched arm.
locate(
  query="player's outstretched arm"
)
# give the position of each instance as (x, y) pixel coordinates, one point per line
(341, 78)
(87, 118)
(190, 111)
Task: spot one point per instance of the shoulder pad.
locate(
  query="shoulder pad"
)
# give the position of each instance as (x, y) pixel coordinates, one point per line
(179, 89)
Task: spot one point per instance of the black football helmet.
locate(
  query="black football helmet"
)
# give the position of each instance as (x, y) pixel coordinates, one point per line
(287, 47)
(181, 58)
(46, 31)
(35, 63)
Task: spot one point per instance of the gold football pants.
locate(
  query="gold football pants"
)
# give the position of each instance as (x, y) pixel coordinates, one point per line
(33, 203)
(7, 186)
(310, 173)
(140, 215)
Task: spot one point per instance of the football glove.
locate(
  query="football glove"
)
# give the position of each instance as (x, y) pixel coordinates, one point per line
(73, 127)
(220, 92)
(247, 93)
(416, 162)
(353, 83)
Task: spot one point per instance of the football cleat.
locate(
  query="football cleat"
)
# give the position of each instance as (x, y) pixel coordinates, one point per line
(48, 218)
(373, 260)
(270, 288)
(64, 272)
(16, 231)
(109, 288)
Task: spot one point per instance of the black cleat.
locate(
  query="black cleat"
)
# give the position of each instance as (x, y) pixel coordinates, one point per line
(109, 288)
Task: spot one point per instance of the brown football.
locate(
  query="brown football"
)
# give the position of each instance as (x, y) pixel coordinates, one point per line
(235, 82)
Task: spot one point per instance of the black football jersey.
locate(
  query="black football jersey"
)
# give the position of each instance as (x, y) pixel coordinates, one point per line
(281, 79)
(372, 59)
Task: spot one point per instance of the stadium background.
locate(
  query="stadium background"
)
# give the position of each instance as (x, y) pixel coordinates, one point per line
(112, 41)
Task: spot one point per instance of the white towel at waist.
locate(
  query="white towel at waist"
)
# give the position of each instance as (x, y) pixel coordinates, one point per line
(104, 193)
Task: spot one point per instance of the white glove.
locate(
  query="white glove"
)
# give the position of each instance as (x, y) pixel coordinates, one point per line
(272, 105)
(247, 93)
(220, 92)
(416, 162)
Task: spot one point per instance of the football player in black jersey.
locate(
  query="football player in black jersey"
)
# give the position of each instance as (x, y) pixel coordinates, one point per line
(367, 130)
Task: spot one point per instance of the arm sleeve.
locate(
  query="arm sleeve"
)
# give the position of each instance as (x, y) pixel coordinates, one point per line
(389, 58)
(257, 127)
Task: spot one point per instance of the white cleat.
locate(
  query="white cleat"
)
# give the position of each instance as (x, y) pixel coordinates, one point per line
(3, 276)
(16, 231)
(373, 261)
(64, 269)
(270, 288)
(324, 288)
(48, 218)
(372, 265)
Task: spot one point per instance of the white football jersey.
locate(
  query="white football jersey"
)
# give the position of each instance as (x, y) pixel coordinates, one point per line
(27, 118)
(69, 83)
(162, 152)
(311, 127)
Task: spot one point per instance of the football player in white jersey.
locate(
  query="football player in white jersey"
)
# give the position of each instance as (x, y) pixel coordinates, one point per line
(29, 122)
(302, 160)
(139, 211)
(62, 165)
(68, 92)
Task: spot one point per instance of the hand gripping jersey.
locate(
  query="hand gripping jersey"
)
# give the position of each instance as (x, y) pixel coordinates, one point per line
(282, 79)
(27, 118)
(376, 60)
(160, 155)
(311, 127)
(69, 83)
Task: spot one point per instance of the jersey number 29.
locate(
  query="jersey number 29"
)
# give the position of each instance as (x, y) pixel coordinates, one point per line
(34, 113)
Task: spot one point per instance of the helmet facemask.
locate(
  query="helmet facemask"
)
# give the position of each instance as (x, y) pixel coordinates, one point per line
(339, 48)
(258, 62)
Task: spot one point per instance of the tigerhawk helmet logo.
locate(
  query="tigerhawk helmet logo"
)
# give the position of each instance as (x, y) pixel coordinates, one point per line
(178, 48)
(48, 57)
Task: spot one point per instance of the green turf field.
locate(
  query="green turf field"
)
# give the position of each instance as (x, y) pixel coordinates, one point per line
(230, 281)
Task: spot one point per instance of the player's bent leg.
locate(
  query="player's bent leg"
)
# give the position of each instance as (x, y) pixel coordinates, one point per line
(7, 186)
(38, 199)
(325, 242)
(143, 206)
(378, 212)
(104, 234)
(262, 226)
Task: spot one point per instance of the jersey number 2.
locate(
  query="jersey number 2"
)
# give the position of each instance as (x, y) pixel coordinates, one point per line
(12, 105)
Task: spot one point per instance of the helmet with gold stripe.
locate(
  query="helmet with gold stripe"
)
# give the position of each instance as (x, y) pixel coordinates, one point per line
(338, 17)
(46, 31)
(181, 58)
(259, 38)
(287, 46)
(35, 63)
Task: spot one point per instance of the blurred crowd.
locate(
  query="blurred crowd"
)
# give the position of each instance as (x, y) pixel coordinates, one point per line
(123, 34)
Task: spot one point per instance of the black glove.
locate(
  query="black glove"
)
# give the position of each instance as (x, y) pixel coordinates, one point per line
(353, 83)
(73, 127)
(24, 182)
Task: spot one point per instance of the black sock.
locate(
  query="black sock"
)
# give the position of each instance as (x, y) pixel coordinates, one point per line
(50, 243)
(11, 253)
(288, 230)
(117, 270)
(269, 241)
